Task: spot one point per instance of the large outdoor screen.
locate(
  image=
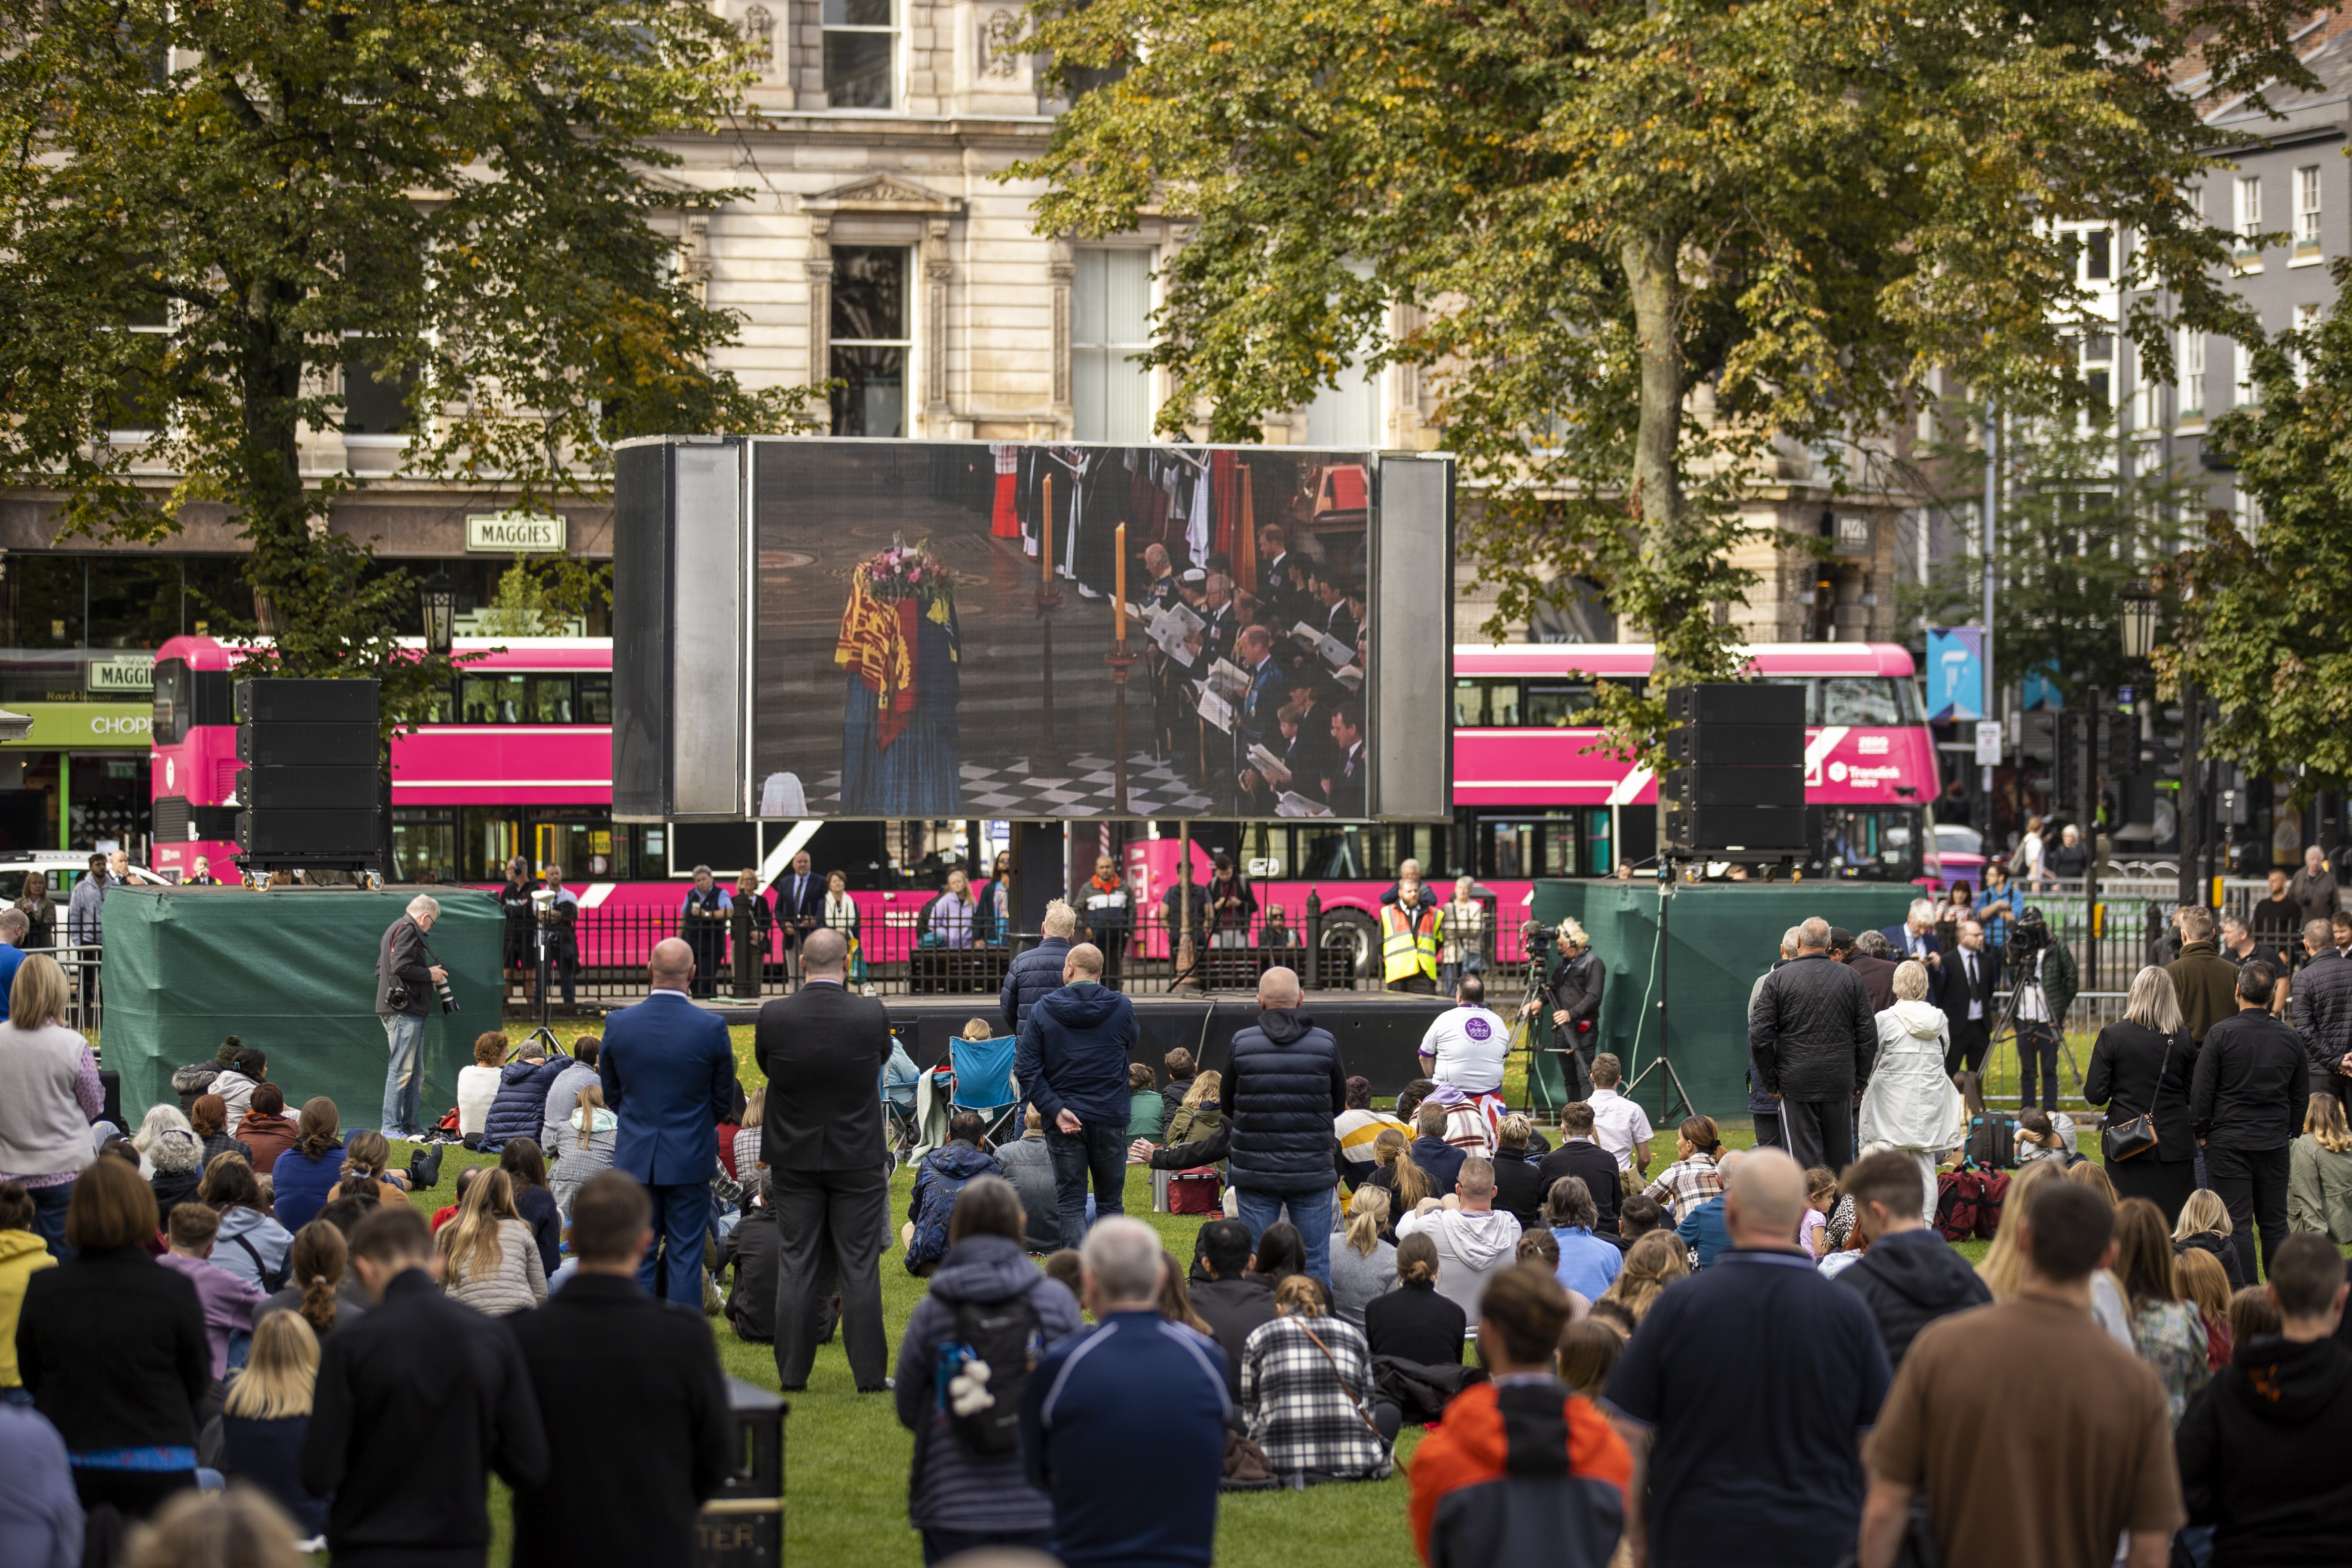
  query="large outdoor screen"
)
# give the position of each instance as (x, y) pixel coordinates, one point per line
(1031, 630)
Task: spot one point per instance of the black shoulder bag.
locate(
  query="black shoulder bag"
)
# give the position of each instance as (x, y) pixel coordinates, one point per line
(2134, 1136)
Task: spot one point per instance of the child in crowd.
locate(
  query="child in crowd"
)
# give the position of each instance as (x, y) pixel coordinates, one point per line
(1589, 1349)
(2197, 1277)
(1181, 1072)
(1147, 1112)
(2038, 1138)
(266, 1416)
(23, 1254)
(2251, 1313)
(1821, 1196)
(228, 1302)
(466, 1178)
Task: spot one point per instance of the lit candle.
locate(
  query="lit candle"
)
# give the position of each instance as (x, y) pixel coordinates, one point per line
(1045, 538)
(1118, 601)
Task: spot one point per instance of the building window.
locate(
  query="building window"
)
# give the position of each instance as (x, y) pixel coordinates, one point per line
(2098, 253)
(2306, 209)
(2306, 321)
(139, 404)
(375, 402)
(2247, 513)
(871, 340)
(2098, 371)
(2192, 374)
(2242, 375)
(2147, 406)
(2250, 215)
(1111, 309)
(861, 53)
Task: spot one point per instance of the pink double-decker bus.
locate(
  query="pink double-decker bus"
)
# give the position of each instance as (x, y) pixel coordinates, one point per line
(516, 759)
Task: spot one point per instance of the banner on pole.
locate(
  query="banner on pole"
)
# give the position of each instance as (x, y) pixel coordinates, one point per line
(1956, 673)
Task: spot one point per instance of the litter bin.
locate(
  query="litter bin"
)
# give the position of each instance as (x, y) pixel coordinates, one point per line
(743, 1526)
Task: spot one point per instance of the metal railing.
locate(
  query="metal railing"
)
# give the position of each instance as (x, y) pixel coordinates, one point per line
(2133, 914)
(902, 952)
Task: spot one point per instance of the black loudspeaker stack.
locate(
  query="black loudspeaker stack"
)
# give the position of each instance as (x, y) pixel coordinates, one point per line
(309, 791)
(1734, 781)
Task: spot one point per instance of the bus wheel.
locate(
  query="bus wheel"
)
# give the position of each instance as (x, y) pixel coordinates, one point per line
(1350, 947)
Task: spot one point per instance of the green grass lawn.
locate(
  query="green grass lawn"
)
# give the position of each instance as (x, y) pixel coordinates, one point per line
(845, 1455)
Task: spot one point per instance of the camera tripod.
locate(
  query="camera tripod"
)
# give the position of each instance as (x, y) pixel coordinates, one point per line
(2006, 1020)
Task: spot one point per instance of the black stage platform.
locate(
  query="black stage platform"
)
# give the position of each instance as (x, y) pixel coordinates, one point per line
(1378, 1031)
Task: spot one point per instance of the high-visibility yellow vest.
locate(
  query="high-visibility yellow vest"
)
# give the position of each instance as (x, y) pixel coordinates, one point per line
(1407, 944)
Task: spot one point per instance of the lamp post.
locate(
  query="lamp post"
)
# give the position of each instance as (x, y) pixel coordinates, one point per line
(439, 597)
(2139, 607)
(2139, 604)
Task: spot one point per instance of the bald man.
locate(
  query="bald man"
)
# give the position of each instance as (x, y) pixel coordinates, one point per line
(1761, 1357)
(1071, 1058)
(1283, 1090)
(668, 1074)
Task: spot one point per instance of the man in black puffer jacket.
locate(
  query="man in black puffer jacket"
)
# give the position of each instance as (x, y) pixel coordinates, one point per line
(1909, 1277)
(1037, 974)
(1283, 1089)
(1811, 1036)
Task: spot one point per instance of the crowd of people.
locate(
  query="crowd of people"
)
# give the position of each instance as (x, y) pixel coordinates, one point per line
(234, 1320)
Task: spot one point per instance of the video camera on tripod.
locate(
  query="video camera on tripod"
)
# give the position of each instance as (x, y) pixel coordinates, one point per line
(2030, 937)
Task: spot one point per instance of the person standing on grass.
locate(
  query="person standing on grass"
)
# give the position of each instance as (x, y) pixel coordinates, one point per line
(416, 1404)
(2036, 1436)
(821, 1136)
(1813, 1037)
(1745, 1390)
(1072, 1061)
(604, 1357)
(2247, 1100)
(1140, 1399)
(668, 1074)
(1284, 1089)
(968, 1489)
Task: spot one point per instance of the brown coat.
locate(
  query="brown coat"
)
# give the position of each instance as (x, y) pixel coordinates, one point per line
(2207, 983)
(267, 1137)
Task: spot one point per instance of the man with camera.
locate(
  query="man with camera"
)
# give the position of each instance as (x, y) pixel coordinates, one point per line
(1573, 992)
(2043, 971)
(405, 975)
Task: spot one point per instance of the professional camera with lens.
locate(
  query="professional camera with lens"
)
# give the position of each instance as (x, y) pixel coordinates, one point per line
(2029, 937)
(1535, 934)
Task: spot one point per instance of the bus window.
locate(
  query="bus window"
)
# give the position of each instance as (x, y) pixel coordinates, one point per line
(175, 690)
(492, 698)
(1861, 699)
(596, 699)
(1598, 860)
(1502, 702)
(424, 847)
(1812, 692)
(1265, 852)
(1337, 855)
(1868, 843)
(1469, 703)
(550, 700)
(1486, 703)
(1556, 703)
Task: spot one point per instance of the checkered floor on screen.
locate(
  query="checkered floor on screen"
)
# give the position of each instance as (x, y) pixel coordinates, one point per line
(1087, 787)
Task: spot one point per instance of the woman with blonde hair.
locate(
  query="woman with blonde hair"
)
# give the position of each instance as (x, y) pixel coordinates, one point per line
(1307, 1391)
(2003, 1269)
(51, 1096)
(747, 1139)
(1202, 1113)
(2319, 1173)
(492, 1261)
(266, 1415)
(588, 1139)
(2197, 1279)
(2139, 1070)
(1910, 1104)
(1363, 1266)
(1651, 1263)
(2204, 1224)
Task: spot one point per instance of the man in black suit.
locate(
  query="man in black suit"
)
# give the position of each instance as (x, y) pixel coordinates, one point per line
(1578, 1156)
(634, 1387)
(416, 1403)
(1274, 570)
(823, 1050)
(1343, 786)
(1970, 977)
(800, 905)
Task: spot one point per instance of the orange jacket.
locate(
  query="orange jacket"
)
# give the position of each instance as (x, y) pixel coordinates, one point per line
(1559, 1499)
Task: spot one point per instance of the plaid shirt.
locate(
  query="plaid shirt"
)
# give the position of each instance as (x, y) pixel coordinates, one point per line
(1302, 1405)
(1686, 1184)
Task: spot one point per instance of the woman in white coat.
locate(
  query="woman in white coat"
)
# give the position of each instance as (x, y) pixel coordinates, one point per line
(1910, 1105)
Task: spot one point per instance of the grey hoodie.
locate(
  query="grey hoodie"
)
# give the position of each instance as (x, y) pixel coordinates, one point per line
(1470, 1247)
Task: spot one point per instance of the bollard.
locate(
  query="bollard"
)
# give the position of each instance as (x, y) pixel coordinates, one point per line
(748, 956)
(1313, 939)
(743, 1526)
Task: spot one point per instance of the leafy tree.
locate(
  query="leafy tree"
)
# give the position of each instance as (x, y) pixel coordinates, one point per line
(1639, 246)
(2073, 536)
(543, 597)
(453, 197)
(2261, 620)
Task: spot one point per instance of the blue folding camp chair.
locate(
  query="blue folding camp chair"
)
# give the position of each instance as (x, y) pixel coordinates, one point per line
(984, 1082)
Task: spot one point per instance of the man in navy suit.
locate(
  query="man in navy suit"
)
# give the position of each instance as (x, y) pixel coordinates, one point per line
(800, 905)
(1915, 938)
(668, 1074)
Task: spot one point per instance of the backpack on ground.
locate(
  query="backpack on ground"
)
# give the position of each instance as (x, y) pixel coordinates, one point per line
(982, 1373)
(1196, 1191)
(1993, 1194)
(1992, 1143)
(1957, 1195)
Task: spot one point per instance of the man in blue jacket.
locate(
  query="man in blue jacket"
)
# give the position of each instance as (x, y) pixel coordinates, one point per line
(1035, 974)
(669, 1075)
(1072, 1063)
(1283, 1090)
(1084, 1442)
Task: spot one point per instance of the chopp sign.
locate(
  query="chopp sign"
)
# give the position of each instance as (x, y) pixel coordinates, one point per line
(91, 726)
(515, 533)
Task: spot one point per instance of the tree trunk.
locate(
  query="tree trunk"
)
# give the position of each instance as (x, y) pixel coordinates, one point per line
(1656, 497)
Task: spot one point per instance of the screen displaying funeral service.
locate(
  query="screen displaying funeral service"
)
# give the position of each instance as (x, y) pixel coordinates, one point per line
(809, 627)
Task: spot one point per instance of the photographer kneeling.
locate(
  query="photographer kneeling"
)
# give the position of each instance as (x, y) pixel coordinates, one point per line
(405, 978)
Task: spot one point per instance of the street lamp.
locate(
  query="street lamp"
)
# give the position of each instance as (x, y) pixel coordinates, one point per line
(439, 598)
(2139, 607)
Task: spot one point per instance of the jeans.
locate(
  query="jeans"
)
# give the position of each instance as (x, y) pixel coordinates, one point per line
(2037, 1044)
(1310, 1212)
(1096, 1149)
(49, 1217)
(404, 1038)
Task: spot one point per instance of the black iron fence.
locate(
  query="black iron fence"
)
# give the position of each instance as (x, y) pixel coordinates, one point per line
(900, 952)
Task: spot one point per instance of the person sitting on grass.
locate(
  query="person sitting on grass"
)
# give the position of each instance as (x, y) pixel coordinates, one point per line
(968, 1488)
(587, 1150)
(931, 1202)
(369, 1154)
(1307, 1391)
(208, 1119)
(265, 1129)
(490, 1261)
(1414, 1322)
(1229, 1299)
(266, 1416)
(324, 1290)
(534, 1201)
(306, 1174)
(478, 1085)
(228, 1302)
(251, 1245)
(1588, 1265)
